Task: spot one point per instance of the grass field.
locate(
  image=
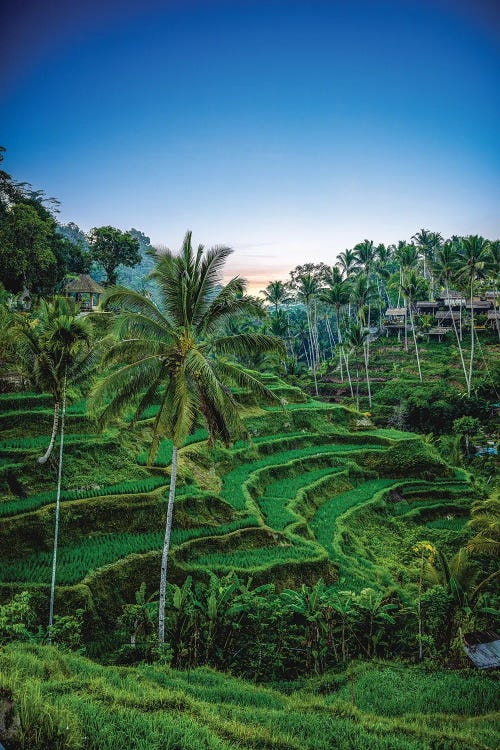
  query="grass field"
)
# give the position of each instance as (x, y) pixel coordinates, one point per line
(67, 702)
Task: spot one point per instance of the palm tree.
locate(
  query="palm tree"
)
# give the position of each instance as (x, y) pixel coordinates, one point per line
(276, 293)
(485, 521)
(308, 288)
(357, 339)
(428, 243)
(472, 255)
(411, 285)
(336, 295)
(177, 356)
(347, 263)
(55, 349)
(407, 257)
(444, 267)
(366, 256)
(493, 266)
(363, 294)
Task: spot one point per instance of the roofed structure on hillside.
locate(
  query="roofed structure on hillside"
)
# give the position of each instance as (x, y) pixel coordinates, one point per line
(84, 290)
(445, 317)
(395, 318)
(493, 294)
(426, 307)
(483, 649)
(480, 304)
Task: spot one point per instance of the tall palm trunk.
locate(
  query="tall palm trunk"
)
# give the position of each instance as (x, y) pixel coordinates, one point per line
(312, 349)
(346, 359)
(43, 459)
(472, 339)
(58, 508)
(458, 337)
(367, 354)
(412, 323)
(166, 547)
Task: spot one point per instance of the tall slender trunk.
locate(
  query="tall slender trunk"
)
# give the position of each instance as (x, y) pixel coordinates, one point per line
(412, 323)
(472, 338)
(56, 526)
(367, 354)
(166, 547)
(313, 350)
(457, 336)
(339, 334)
(357, 385)
(496, 309)
(406, 325)
(346, 359)
(55, 424)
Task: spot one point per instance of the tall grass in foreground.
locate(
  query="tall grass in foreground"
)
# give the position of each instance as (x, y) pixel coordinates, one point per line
(150, 707)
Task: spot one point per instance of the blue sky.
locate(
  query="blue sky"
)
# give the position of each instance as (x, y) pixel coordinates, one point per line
(289, 130)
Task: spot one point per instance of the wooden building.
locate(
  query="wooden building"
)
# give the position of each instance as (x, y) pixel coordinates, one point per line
(85, 291)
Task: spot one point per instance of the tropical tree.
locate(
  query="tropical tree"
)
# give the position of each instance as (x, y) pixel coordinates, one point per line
(56, 350)
(308, 288)
(427, 243)
(336, 295)
(493, 268)
(347, 263)
(485, 522)
(411, 287)
(179, 357)
(276, 293)
(111, 247)
(471, 259)
(357, 340)
(444, 266)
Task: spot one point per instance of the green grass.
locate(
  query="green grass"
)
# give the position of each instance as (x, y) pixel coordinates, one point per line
(40, 442)
(274, 501)
(323, 523)
(67, 702)
(448, 524)
(260, 557)
(132, 487)
(78, 560)
(233, 481)
(164, 455)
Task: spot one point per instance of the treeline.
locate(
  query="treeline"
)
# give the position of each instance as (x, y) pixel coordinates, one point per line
(36, 252)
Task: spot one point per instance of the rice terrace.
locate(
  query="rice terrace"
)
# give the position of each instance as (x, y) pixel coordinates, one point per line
(249, 489)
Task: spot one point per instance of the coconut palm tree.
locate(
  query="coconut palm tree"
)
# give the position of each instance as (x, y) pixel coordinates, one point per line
(308, 289)
(444, 266)
(493, 266)
(180, 357)
(471, 260)
(337, 295)
(347, 263)
(276, 294)
(52, 349)
(357, 340)
(427, 243)
(55, 349)
(411, 286)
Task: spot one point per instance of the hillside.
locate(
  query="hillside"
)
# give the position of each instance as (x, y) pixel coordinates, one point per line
(318, 493)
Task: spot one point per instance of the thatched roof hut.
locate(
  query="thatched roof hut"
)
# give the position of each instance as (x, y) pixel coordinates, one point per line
(85, 291)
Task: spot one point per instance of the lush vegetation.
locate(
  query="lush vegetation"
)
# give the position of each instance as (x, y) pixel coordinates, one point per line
(319, 483)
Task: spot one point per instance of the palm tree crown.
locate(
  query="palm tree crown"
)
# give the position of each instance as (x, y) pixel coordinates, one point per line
(178, 355)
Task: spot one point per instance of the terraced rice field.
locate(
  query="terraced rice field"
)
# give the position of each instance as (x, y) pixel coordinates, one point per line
(306, 472)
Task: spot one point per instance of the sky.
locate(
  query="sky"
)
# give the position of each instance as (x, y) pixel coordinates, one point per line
(287, 129)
